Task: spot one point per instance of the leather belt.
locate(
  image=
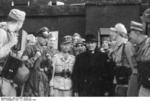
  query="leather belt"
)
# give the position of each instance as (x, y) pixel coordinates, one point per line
(64, 74)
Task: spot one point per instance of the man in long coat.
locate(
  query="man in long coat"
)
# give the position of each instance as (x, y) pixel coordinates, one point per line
(92, 75)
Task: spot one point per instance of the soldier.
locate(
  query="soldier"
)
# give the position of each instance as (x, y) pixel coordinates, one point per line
(40, 65)
(133, 85)
(142, 56)
(12, 41)
(91, 75)
(120, 51)
(51, 48)
(61, 83)
(8, 36)
(69, 39)
(30, 55)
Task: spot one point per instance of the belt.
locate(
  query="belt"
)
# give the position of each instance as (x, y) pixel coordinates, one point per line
(64, 74)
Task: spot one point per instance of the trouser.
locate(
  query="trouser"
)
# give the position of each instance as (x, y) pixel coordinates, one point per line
(121, 90)
(144, 91)
(93, 90)
(62, 93)
(133, 86)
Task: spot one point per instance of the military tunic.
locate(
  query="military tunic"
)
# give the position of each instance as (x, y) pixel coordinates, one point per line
(62, 70)
(143, 66)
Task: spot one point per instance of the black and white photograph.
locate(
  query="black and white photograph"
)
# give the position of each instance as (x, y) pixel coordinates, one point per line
(74, 48)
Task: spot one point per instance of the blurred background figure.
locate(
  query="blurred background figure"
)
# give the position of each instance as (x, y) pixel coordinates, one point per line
(42, 39)
(105, 46)
(76, 37)
(39, 64)
(31, 39)
(79, 47)
(43, 32)
(51, 41)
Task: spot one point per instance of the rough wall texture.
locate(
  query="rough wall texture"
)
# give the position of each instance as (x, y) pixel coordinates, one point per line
(70, 19)
(65, 19)
(106, 16)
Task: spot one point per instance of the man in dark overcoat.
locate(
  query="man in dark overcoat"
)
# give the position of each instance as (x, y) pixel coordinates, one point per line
(92, 74)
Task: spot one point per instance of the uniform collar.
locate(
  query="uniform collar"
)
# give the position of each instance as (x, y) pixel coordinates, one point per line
(63, 58)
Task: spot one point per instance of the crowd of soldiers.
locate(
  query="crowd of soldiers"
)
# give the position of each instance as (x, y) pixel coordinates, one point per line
(31, 66)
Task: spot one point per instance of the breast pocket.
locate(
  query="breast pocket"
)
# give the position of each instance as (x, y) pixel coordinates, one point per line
(70, 66)
(58, 67)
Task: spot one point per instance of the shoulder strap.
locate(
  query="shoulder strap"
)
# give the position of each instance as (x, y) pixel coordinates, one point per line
(123, 53)
(17, 47)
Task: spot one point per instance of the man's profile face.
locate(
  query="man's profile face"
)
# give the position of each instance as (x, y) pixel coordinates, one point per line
(113, 35)
(91, 46)
(133, 36)
(20, 24)
(14, 26)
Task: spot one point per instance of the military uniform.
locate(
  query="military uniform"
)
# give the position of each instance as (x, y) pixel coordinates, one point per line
(142, 56)
(118, 53)
(133, 85)
(61, 79)
(143, 69)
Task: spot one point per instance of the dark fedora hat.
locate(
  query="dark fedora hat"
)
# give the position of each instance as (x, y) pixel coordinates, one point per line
(146, 16)
(90, 38)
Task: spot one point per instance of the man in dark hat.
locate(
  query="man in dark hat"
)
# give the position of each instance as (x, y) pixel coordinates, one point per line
(91, 74)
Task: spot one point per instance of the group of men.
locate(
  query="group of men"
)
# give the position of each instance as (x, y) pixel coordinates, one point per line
(26, 60)
(130, 52)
